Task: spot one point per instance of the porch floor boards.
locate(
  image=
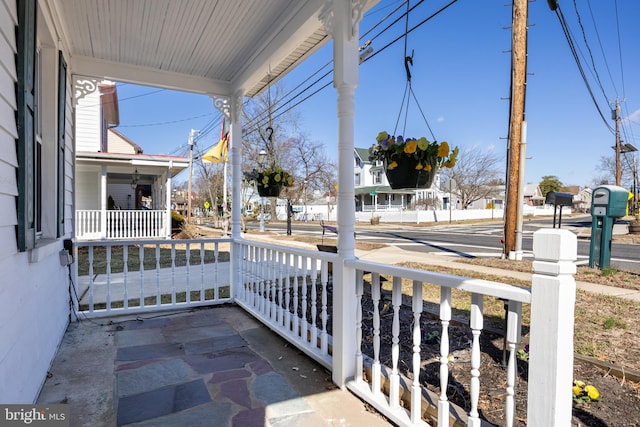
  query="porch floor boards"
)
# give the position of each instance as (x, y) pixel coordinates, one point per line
(203, 367)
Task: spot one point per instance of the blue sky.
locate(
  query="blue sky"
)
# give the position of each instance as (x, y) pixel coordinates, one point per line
(460, 77)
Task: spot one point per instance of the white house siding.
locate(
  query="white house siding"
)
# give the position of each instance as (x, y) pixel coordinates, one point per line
(34, 300)
(117, 144)
(88, 121)
(8, 132)
(88, 189)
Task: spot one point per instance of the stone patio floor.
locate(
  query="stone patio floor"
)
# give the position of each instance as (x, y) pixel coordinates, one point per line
(203, 367)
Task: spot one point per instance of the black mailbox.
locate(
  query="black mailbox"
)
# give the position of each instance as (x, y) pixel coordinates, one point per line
(558, 199)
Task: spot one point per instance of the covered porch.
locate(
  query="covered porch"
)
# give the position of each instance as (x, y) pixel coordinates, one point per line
(173, 309)
(320, 303)
(133, 200)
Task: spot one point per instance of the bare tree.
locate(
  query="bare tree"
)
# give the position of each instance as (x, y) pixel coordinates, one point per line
(607, 169)
(276, 131)
(268, 126)
(474, 175)
(314, 169)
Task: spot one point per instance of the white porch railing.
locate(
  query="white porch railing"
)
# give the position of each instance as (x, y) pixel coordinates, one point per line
(175, 274)
(291, 291)
(122, 224)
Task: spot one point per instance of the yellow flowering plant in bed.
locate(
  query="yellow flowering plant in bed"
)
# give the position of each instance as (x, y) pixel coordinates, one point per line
(583, 393)
(430, 155)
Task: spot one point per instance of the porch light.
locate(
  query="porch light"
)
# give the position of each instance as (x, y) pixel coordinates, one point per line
(134, 181)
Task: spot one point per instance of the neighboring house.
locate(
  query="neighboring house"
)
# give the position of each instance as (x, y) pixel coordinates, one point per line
(582, 200)
(533, 195)
(113, 174)
(494, 199)
(373, 192)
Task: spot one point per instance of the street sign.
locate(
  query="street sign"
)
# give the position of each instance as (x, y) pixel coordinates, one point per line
(373, 193)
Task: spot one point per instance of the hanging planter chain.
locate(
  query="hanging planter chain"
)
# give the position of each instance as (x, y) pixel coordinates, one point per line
(408, 90)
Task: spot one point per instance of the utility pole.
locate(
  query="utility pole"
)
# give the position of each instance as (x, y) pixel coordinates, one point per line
(191, 133)
(516, 117)
(616, 117)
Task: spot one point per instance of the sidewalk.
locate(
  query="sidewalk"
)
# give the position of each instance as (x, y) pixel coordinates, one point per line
(394, 255)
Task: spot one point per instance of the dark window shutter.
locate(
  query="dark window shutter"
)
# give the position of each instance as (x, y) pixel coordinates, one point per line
(25, 146)
(62, 108)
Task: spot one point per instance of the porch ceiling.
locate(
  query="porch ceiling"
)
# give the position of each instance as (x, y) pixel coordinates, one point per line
(206, 46)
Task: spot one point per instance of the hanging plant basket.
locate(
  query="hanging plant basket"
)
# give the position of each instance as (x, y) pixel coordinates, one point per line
(405, 174)
(269, 191)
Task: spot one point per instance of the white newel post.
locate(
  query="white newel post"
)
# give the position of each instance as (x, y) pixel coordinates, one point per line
(553, 296)
(341, 19)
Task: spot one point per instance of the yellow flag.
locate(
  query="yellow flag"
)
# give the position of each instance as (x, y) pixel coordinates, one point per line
(218, 153)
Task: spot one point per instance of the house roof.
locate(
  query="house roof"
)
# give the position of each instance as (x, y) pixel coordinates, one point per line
(147, 164)
(213, 47)
(363, 153)
(531, 189)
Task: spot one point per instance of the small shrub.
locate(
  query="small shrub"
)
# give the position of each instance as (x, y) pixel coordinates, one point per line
(177, 220)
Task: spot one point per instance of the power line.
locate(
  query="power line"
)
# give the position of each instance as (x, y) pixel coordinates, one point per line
(166, 122)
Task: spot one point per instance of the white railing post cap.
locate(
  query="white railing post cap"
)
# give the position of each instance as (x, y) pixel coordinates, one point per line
(551, 244)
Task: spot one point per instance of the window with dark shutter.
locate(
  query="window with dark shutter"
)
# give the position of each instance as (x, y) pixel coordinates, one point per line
(25, 146)
(62, 108)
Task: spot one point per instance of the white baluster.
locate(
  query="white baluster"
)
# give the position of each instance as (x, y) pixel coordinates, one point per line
(314, 304)
(476, 323)
(305, 324)
(125, 272)
(394, 380)
(109, 278)
(173, 274)
(158, 299)
(445, 317)
(280, 303)
(359, 292)
(375, 369)
(287, 293)
(296, 285)
(416, 389)
(324, 339)
(202, 254)
(514, 317)
(188, 257)
(141, 263)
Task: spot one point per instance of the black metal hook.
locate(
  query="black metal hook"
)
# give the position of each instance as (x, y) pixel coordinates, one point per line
(408, 60)
(270, 132)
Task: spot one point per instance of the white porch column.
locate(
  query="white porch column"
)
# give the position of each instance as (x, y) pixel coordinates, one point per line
(231, 108)
(553, 297)
(103, 202)
(168, 222)
(341, 19)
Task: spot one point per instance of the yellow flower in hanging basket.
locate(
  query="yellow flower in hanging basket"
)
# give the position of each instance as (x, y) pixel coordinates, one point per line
(270, 176)
(429, 155)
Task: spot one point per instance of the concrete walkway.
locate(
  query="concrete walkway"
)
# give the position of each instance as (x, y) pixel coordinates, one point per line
(214, 367)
